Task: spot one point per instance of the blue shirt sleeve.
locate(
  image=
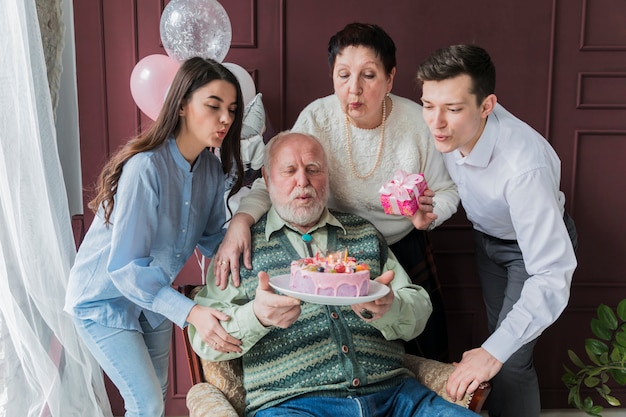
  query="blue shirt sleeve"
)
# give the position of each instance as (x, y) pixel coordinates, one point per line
(214, 231)
(161, 213)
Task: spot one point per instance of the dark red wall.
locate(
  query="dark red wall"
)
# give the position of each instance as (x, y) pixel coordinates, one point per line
(561, 67)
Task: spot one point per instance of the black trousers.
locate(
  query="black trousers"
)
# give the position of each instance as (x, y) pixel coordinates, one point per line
(414, 252)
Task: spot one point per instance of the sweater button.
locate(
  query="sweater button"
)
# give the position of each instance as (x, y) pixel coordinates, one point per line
(356, 382)
(334, 315)
(344, 349)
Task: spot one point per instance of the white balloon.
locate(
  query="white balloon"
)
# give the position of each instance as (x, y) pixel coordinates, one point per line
(191, 28)
(248, 89)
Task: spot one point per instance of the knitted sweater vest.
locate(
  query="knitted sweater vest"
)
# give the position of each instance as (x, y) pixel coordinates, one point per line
(329, 350)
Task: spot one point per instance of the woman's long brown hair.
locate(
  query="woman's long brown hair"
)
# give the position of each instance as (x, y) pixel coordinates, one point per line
(193, 74)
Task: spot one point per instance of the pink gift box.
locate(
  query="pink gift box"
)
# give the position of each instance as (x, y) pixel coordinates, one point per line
(399, 196)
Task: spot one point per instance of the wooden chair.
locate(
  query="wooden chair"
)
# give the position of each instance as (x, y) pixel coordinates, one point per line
(217, 387)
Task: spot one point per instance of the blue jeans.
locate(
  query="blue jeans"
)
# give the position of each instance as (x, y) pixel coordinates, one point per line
(408, 399)
(136, 363)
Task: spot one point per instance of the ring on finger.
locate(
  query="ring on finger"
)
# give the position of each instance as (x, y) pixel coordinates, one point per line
(223, 262)
(366, 314)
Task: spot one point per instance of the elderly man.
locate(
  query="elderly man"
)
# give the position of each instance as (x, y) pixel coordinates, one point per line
(308, 359)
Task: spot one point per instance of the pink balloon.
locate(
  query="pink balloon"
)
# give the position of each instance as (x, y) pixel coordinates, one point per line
(149, 82)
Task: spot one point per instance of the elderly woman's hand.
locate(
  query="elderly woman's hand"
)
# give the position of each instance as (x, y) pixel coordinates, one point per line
(425, 215)
(236, 242)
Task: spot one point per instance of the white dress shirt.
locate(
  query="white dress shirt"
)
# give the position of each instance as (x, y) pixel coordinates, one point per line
(510, 188)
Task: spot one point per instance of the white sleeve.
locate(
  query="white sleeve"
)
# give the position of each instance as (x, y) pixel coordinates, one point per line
(257, 202)
(549, 259)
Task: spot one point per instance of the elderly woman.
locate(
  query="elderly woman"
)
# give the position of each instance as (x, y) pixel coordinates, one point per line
(368, 134)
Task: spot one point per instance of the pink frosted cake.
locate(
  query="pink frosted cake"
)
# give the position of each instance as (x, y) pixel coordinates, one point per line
(319, 276)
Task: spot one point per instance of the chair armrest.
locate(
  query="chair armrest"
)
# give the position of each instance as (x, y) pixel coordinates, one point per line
(221, 381)
(227, 377)
(205, 400)
(434, 375)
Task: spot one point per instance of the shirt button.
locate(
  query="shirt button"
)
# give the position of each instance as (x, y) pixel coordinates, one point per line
(184, 230)
(178, 255)
(186, 203)
(344, 349)
(356, 382)
(334, 315)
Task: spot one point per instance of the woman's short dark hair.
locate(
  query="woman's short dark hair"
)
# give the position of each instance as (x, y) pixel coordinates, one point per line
(363, 34)
(456, 60)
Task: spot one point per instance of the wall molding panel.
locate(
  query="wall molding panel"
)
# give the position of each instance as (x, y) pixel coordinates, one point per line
(244, 23)
(602, 26)
(601, 90)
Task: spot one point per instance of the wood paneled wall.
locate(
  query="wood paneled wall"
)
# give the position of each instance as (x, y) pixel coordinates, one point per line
(561, 68)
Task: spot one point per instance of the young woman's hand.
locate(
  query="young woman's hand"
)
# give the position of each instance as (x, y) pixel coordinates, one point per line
(206, 320)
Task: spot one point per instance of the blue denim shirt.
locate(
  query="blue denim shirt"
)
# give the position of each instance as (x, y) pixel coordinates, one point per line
(163, 209)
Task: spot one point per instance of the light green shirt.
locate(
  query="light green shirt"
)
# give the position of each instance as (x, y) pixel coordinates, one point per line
(405, 320)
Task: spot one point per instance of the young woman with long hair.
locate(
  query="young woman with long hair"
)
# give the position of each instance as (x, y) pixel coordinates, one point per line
(157, 199)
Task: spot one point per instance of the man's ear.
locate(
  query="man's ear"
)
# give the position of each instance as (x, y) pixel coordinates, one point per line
(264, 174)
(489, 103)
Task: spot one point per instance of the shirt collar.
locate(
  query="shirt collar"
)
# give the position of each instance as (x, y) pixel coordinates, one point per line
(484, 147)
(179, 158)
(275, 223)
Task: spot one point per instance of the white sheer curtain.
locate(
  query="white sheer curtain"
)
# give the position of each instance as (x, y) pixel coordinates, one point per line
(44, 368)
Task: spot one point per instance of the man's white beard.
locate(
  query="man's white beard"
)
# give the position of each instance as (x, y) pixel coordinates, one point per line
(306, 215)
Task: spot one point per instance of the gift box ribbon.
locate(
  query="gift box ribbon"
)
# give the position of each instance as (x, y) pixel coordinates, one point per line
(401, 184)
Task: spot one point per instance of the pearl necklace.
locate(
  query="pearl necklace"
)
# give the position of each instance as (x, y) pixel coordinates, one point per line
(380, 145)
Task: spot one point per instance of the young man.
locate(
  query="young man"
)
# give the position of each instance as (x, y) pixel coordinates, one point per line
(508, 178)
(306, 359)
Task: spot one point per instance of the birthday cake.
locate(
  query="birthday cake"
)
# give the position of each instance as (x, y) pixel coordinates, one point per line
(334, 275)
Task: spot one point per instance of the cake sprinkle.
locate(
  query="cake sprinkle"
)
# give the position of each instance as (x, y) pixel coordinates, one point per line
(335, 262)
